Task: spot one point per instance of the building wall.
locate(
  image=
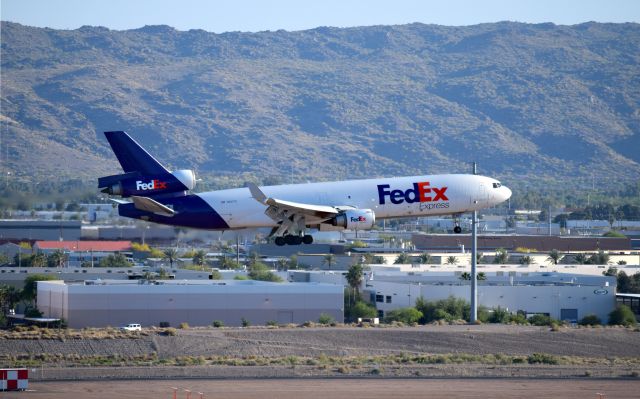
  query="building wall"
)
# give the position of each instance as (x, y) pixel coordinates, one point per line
(549, 299)
(39, 230)
(196, 304)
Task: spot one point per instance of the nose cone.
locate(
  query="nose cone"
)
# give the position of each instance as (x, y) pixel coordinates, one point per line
(506, 193)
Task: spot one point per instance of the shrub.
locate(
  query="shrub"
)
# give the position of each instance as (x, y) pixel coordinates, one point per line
(325, 319)
(364, 310)
(171, 331)
(164, 324)
(217, 323)
(542, 358)
(590, 320)
(622, 315)
(184, 326)
(499, 315)
(540, 320)
(272, 323)
(404, 315)
(245, 322)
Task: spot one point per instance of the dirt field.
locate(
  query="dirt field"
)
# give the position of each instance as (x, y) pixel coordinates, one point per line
(285, 353)
(336, 389)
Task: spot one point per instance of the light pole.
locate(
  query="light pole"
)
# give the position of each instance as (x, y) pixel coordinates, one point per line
(474, 250)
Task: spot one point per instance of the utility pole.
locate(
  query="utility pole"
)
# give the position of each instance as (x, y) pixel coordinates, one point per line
(474, 260)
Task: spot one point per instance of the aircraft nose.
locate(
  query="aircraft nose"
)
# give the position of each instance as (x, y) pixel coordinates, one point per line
(506, 193)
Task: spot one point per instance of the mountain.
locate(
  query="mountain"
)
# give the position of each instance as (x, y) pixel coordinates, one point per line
(532, 103)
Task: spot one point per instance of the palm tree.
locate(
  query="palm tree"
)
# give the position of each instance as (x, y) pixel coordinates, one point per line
(527, 260)
(402, 259)
(580, 259)
(57, 258)
(501, 256)
(481, 276)
(199, 258)
(282, 263)
(466, 276)
(355, 276)
(452, 260)
(329, 260)
(554, 256)
(171, 255)
(39, 260)
(425, 258)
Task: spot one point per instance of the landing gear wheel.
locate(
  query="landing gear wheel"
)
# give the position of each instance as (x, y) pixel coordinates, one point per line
(307, 239)
(289, 239)
(280, 241)
(457, 229)
(297, 240)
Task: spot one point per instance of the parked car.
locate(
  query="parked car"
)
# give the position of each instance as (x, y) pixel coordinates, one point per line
(132, 327)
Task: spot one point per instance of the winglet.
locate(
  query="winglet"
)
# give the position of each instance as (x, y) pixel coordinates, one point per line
(256, 193)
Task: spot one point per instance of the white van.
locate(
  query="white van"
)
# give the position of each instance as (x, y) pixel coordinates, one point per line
(132, 327)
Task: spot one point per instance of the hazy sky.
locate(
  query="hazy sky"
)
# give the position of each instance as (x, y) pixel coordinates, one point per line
(254, 15)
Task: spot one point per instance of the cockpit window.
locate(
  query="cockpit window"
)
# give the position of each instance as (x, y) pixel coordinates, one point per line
(497, 185)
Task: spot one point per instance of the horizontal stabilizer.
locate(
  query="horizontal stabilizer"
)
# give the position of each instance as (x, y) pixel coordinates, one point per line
(149, 205)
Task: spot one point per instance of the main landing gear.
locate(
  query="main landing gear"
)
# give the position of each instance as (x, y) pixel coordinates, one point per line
(456, 221)
(293, 240)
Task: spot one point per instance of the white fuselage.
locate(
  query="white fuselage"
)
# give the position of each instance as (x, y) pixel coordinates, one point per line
(413, 196)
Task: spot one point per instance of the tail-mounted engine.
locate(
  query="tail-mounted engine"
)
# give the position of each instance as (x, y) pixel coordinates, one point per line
(135, 183)
(356, 219)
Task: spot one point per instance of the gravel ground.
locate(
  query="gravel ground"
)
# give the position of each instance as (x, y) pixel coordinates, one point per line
(345, 341)
(337, 389)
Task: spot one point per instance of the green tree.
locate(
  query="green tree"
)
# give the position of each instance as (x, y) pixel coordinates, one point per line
(403, 315)
(466, 276)
(452, 260)
(362, 309)
(402, 259)
(171, 255)
(622, 315)
(115, 260)
(229, 264)
(554, 256)
(30, 285)
(260, 271)
(329, 260)
(611, 271)
(425, 258)
(9, 297)
(481, 276)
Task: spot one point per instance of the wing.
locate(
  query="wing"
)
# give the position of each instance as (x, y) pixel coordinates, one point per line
(292, 215)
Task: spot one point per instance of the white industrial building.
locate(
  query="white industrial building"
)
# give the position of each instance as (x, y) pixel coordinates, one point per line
(562, 296)
(100, 303)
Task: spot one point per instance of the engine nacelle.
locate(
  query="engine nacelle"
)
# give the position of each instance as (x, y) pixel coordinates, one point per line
(356, 219)
(134, 183)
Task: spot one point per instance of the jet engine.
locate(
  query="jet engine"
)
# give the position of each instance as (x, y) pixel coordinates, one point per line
(356, 219)
(135, 183)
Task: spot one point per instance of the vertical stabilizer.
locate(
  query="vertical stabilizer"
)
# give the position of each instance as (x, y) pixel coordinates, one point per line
(131, 155)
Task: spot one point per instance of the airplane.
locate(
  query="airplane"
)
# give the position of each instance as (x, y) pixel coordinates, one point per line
(291, 210)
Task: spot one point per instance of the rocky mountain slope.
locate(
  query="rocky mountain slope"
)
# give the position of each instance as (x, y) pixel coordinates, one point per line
(526, 101)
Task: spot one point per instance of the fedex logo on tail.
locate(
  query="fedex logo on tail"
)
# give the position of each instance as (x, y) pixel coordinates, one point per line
(152, 185)
(421, 192)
